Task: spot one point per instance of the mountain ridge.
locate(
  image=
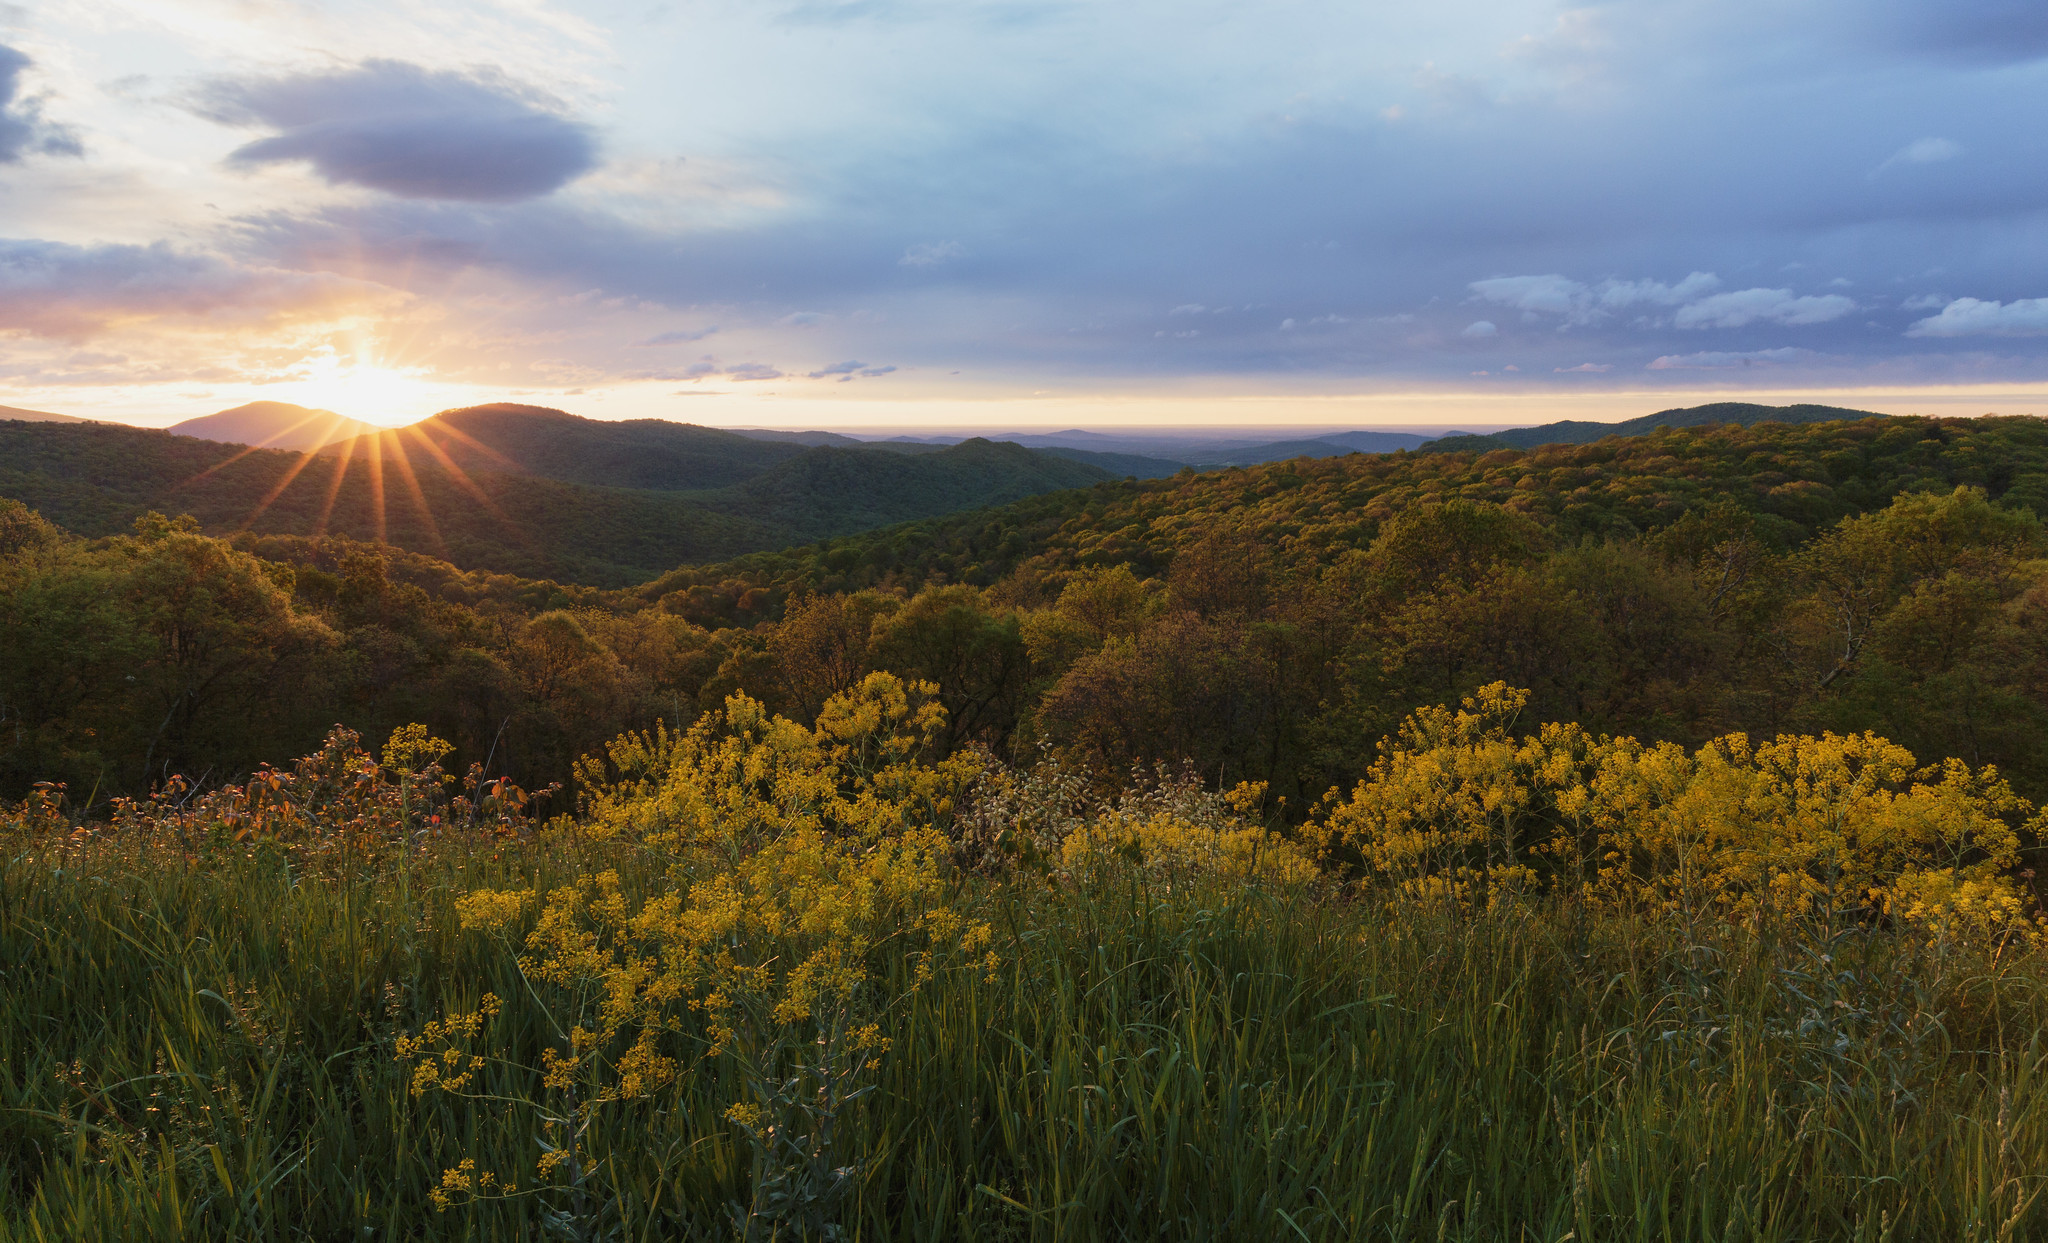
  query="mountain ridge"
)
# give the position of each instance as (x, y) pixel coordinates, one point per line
(97, 478)
(508, 437)
(19, 415)
(273, 425)
(1583, 432)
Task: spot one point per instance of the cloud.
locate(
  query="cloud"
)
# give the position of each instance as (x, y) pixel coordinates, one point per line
(413, 132)
(1715, 360)
(1065, 228)
(1554, 294)
(849, 369)
(1778, 306)
(926, 254)
(1584, 304)
(802, 319)
(1480, 328)
(711, 368)
(1968, 317)
(1618, 295)
(22, 128)
(1592, 367)
(679, 337)
(1188, 308)
(55, 289)
(1290, 324)
(1923, 151)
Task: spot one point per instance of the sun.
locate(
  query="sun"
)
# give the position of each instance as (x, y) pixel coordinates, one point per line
(371, 392)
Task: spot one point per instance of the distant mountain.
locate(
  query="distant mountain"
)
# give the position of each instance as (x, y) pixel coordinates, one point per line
(834, 489)
(38, 416)
(1178, 450)
(1122, 465)
(1072, 438)
(403, 487)
(1253, 455)
(1380, 442)
(273, 425)
(1580, 432)
(807, 439)
(653, 454)
(903, 444)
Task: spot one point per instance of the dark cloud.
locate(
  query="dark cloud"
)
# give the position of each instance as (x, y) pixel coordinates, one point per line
(409, 131)
(54, 289)
(1982, 31)
(23, 131)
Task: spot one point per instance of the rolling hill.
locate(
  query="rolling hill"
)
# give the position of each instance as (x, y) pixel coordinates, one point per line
(830, 489)
(1148, 456)
(1133, 465)
(1580, 432)
(652, 454)
(19, 415)
(274, 425)
(96, 479)
(1813, 474)
(808, 439)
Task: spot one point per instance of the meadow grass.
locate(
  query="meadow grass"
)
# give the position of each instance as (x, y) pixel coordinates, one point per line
(198, 1042)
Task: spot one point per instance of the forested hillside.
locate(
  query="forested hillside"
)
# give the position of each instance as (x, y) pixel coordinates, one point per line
(1582, 432)
(546, 515)
(273, 425)
(1794, 479)
(553, 444)
(1266, 623)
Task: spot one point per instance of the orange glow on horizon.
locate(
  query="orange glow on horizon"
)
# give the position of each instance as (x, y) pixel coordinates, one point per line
(371, 392)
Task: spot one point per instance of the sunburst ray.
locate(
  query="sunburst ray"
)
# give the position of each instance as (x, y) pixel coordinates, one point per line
(224, 463)
(376, 464)
(460, 477)
(478, 445)
(403, 463)
(341, 465)
(330, 436)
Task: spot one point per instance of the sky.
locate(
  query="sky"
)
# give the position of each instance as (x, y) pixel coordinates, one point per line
(1023, 213)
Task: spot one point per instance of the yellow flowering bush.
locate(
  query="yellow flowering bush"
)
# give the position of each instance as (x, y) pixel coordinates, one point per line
(797, 858)
(1173, 846)
(832, 838)
(1456, 805)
